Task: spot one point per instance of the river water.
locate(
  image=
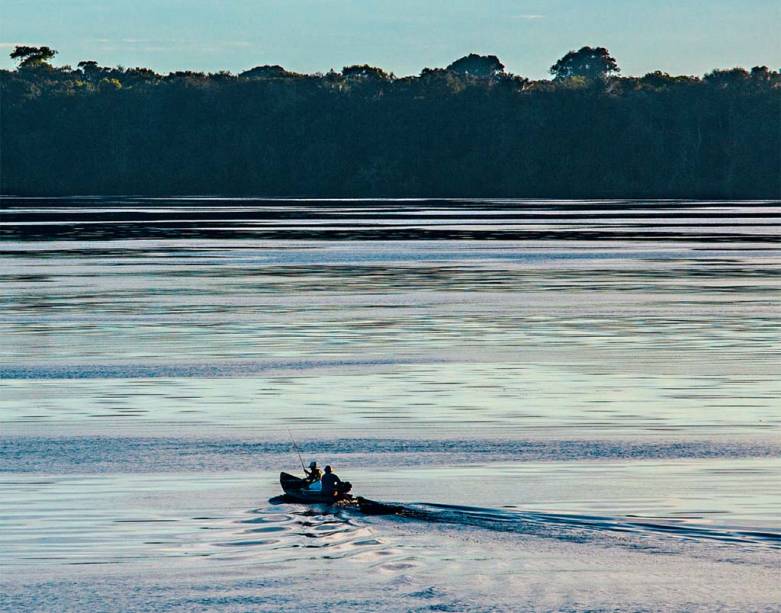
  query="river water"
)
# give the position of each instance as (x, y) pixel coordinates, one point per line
(576, 403)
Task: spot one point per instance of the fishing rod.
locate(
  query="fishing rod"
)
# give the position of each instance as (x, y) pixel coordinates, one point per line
(292, 440)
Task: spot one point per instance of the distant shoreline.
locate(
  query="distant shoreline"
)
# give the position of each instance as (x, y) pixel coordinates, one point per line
(468, 130)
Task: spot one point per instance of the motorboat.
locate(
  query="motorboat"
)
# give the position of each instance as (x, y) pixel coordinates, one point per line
(301, 490)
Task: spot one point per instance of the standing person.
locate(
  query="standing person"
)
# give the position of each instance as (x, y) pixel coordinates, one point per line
(330, 482)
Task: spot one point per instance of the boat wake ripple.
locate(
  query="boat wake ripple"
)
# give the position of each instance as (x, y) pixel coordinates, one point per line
(574, 527)
(287, 534)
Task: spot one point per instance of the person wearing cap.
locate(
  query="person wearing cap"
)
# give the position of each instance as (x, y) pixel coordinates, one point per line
(314, 474)
(330, 483)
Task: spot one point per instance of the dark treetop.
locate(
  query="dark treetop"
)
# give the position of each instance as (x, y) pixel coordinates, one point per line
(471, 129)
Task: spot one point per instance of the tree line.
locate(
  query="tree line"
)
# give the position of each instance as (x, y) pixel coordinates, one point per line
(471, 129)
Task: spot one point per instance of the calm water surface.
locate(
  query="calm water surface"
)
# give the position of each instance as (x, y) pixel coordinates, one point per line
(543, 384)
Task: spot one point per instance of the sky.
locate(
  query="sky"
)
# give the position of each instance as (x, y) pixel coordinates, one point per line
(402, 36)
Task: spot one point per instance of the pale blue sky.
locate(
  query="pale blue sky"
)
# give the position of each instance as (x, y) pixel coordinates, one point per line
(682, 37)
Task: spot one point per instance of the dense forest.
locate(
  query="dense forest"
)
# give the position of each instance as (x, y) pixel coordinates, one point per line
(470, 129)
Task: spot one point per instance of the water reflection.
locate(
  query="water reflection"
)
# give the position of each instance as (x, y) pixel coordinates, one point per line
(601, 335)
(125, 519)
(185, 336)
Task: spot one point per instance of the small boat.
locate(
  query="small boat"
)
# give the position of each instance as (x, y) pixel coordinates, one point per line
(299, 490)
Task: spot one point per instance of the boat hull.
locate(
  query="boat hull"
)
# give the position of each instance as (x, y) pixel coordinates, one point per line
(296, 490)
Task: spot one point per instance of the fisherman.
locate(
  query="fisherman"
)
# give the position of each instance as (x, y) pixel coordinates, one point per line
(330, 483)
(314, 474)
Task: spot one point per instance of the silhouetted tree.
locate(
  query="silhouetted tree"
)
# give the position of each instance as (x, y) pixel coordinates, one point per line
(761, 74)
(364, 71)
(32, 57)
(587, 62)
(480, 66)
(265, 72)
(91, 70)
(732, 77)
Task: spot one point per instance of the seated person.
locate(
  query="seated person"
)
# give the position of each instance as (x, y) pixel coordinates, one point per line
(330, 482)
(314, 474)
